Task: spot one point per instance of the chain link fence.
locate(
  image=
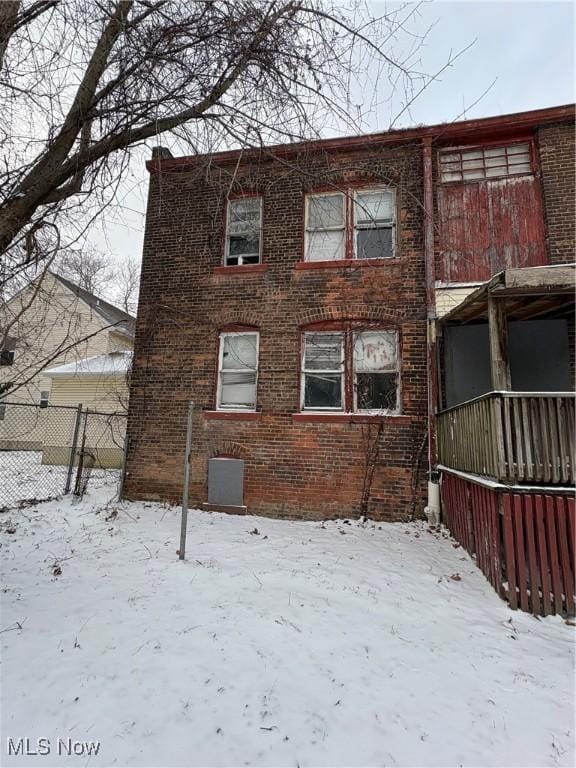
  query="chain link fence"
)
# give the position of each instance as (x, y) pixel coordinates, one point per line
(49, 451)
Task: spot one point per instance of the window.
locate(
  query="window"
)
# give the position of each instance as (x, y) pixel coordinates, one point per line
(376, 371)
(237, 371)
(485, 162)
(7, 351)
(2, 411)
(374, 218)
(326, 230)
(44, 398)
(351, 370)
(243, 231)
(323, 371)
(351, 225)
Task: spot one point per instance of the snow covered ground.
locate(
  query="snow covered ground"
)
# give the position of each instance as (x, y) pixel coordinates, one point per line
(274, 644)
(24, 477)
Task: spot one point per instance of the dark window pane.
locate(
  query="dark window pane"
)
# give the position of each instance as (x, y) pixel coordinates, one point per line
(322, 391)
(244, 244)
(374, 243)
(6, 357)
(376, 391)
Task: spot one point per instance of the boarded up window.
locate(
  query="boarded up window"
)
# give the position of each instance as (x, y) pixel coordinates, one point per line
(490, 213)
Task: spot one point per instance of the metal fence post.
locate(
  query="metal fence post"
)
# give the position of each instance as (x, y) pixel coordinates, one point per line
(73, 449)
(123, 467)
(184, 523)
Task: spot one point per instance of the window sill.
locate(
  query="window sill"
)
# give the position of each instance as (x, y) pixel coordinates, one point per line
(345, 263)
(349, 418)
(233, 415)
(243, 269)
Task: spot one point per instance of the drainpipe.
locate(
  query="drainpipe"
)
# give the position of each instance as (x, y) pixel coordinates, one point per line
(432, 510)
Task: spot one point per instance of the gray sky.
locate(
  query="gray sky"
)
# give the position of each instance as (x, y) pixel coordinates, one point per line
(526, 47)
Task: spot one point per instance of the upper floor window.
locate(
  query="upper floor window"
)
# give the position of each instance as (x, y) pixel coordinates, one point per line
(7, 351)
(485, 162)
(351, 225)
(351, 371)
(243, 231)
(237, 371)
(44, 399)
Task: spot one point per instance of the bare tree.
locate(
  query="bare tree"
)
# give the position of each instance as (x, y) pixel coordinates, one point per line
(126, 285)
(83, 83)
(87, 268)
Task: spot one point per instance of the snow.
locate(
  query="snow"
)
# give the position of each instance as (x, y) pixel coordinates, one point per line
(274, 644)
(111, 363)
(24, 477)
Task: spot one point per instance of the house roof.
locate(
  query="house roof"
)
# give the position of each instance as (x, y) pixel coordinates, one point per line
(529, 292)
(109, 364)
(465, 131)
(121, 320)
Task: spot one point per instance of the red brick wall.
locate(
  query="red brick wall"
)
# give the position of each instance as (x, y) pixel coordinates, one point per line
(556, 149)
(293, 469)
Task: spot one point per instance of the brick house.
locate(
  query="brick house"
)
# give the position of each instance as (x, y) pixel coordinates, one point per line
(293, 293)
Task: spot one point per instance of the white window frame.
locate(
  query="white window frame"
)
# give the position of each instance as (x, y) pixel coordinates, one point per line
(316, 371)
(356, 226)
(389, 411)
(350, 224)
(229, 204)
(308, 230)
(237, 408)
(44, 401)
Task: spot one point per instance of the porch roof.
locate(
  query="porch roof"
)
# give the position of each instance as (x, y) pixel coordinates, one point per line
(527, 293)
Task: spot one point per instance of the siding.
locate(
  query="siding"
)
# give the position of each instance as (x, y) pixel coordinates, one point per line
(449, 298)
(55, 319)
(104, 435)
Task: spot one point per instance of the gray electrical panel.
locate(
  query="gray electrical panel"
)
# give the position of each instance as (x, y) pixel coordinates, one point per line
(226, 482)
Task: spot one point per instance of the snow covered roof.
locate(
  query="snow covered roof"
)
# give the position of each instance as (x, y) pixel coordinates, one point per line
(110, 364)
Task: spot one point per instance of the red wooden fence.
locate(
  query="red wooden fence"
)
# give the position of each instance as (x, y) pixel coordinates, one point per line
(523, 542)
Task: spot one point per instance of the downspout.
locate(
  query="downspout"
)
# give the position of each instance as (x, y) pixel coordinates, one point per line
(432, 510)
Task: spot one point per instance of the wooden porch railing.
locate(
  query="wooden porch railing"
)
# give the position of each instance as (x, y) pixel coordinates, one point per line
(513, 437)
(522, 542)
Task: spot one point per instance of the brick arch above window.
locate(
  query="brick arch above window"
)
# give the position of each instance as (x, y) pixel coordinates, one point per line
(350, 312)
(230, 450)
(245, 318)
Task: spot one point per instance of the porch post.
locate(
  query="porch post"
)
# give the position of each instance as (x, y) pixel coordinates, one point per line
(498, 330)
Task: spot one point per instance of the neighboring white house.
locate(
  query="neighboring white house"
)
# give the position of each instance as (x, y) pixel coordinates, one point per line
(53, 322)
(100, 384)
